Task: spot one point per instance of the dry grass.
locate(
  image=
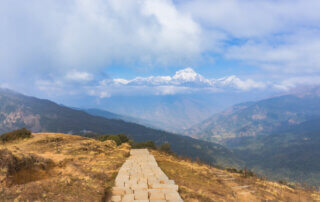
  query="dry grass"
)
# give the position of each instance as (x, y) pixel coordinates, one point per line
(200, 182)
(59, 167)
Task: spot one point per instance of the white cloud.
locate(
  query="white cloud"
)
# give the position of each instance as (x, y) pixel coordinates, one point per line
(296, 82)
(79, 76)
(184, 81)
(278, 36)
(59, 36)
(246, 18)
(77, 39)
(294, 53)
(234, 82)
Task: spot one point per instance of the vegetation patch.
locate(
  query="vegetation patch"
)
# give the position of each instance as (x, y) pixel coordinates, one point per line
(166, 148)
(59, 167)
(119, 139)
(244, 172)
(15, 135)
(151, 145)
(24, 168)
(142, 145)
(50, 140)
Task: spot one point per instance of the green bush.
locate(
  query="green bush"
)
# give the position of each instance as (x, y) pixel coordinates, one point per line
(141, 145)
(16, 134)
(116, 139)
(123, 138)
(119, 139)
(166, 148)
(103, 137)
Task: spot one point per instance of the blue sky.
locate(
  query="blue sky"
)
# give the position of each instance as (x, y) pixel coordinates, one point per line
(59, 49)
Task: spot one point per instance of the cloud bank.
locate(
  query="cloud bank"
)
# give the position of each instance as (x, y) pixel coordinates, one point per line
(54, 44)
(52, 36)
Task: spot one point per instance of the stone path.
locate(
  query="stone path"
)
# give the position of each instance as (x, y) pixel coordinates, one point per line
(140, 179)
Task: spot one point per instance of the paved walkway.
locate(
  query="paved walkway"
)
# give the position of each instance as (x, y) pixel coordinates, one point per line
(140, 179)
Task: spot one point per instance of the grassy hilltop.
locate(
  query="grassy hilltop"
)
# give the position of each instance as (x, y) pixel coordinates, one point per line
(61, 167)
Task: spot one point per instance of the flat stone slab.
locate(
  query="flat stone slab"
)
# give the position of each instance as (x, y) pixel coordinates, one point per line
(140, 179)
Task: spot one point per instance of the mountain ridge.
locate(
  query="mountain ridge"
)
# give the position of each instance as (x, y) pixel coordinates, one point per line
(20, 111)
(257, 118)
(276, 137)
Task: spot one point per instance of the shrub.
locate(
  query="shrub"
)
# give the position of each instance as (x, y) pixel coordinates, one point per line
(110, 137)
(115, 138)
(123, 138)
(166, 148)
(248, 173)
(141, 145)
(284, 182)
(119, 139)
(234, 170)
(103, 137)
(16, 134)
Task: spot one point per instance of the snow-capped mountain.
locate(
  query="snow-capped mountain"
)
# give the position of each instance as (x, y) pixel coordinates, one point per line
(189, 78)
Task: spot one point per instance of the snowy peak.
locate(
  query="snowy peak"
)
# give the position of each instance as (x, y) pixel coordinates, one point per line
(183, 81)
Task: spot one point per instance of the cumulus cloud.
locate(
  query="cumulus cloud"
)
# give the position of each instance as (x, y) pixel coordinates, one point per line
(293, 53)
(278, 36)
(246, 18)
(75, 40)
(90, 34)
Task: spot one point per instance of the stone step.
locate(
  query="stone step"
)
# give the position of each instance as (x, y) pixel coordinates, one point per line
(141, 179)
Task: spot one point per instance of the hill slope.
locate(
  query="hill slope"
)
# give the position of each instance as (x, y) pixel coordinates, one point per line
(200, 182)
(110, 115)
(291, 154)
(61, 167)
(58, 167)
(277, 137)
(257, 118)
(18, 111)
(176, 112)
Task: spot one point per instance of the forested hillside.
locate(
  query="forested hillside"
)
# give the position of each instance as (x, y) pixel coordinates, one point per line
(19, 111)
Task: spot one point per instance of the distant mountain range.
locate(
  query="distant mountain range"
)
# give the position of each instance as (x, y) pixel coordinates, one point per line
(110, 115)
(277, 137)
(173, 113)
(18, 111)
(290, 154)
(257, 118)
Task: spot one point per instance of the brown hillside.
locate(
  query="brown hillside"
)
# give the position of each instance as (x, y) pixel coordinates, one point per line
(59, 167)
(200, 182)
